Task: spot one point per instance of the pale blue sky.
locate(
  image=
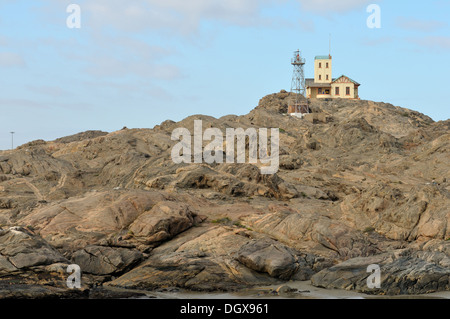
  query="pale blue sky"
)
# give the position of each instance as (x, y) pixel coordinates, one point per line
(137, 63)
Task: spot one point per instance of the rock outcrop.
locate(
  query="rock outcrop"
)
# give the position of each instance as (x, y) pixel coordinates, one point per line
(402, 272)
(368, 185)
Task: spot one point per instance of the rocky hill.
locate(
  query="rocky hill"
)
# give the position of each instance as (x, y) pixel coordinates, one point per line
(368, 185)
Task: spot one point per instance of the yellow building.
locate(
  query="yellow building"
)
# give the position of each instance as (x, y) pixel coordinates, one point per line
(323, 86)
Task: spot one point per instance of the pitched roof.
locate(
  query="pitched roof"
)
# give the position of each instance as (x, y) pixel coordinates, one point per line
(344, 76)
(310, 83)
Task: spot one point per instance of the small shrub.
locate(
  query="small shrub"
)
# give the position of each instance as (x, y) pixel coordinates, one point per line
(224, 220)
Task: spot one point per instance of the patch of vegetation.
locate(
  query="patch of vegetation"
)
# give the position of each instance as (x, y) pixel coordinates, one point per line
(238, 224)
(369, 230)
(224, 220)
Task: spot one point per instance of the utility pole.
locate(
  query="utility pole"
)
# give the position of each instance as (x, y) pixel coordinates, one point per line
(12, 140)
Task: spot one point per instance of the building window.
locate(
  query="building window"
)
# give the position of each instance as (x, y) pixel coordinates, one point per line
(320, 65)
(320, 77)
(327, 65)
(327, 77)
(347, 90)
(337, 91)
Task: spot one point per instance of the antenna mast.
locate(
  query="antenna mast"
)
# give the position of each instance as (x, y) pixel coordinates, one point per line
(330, 46)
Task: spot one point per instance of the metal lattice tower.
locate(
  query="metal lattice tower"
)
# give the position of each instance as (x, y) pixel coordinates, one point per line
(298, 86)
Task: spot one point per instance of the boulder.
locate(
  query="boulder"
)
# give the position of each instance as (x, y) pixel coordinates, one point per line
(98, 260)
(163, 222)
(269, 257)
(20, 249)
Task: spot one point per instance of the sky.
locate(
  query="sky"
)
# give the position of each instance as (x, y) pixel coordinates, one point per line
(137, 63)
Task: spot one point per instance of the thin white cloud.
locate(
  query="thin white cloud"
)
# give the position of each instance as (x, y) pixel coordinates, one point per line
(118, 56)
(137, 89)
(11, 59)
(52, 91)
(21, 103)
(377, 41)
(307, 25)
(114, 67)
(419, 25)
(3, 40)
(114, 26)
(177, 16)
(434, 43)
(325, 7)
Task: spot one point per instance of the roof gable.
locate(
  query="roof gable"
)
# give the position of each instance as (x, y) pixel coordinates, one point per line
(345, 79)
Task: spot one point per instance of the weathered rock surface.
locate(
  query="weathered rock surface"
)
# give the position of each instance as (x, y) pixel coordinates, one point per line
(203, 259)
(403, 272)
(277, 260)
(20, 249)
(368, 185)
(98, 260)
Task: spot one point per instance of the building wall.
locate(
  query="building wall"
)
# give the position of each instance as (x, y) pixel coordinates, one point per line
(323, 73)
(324, 93)
(320, 73)
(342, 90)
(311, 93)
